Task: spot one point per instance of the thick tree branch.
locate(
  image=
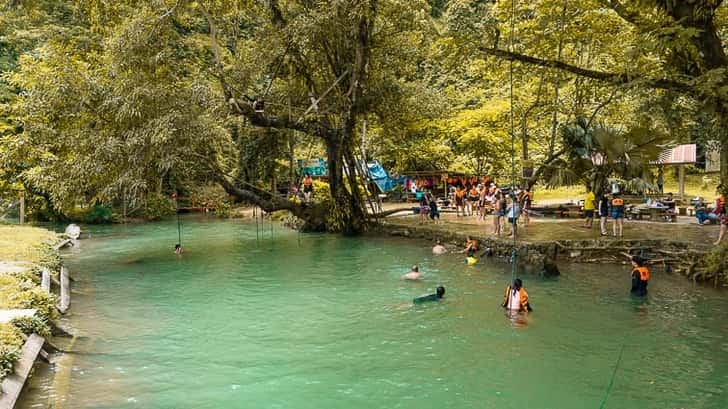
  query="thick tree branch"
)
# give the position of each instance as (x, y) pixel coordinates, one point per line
(244, 108)
(610, 77)
(626, 15)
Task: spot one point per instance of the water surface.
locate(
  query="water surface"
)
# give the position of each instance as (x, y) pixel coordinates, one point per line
(261, 319)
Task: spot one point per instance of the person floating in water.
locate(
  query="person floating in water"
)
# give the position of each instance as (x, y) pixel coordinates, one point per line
(640, 277)
(178, 249)
(414, 274)
(439, 248)
(516, 297)
(431, 297)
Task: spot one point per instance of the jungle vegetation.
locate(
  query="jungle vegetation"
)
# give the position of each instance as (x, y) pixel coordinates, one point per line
(120, 103)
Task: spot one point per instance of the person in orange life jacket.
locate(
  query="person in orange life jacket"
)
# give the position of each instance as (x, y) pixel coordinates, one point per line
(516, 297)
(307, 188)
(640, 277)
(618, 215)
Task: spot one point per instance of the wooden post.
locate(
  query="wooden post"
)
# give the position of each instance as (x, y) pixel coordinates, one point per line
(681, 187)
(12, 385)
(22, 207)
(65, 291)
(45, 282)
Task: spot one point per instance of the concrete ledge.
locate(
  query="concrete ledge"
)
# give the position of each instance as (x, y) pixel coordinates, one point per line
(13, 384)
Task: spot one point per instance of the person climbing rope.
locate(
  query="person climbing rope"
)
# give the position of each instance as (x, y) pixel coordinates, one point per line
(516, 297)
(640, 276)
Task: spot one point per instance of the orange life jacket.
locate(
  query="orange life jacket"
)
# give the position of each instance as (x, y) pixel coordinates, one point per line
(617, 202)
(523, 295)
(460, 193)
(307, 181)
(474, 192)
(644, 273)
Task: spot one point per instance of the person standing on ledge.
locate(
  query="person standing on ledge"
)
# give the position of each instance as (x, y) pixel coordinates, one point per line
(516, 297)
(618, 215)
(589, 206)
(640, 277)
(414, 274)
(307, 188)
(603, 213)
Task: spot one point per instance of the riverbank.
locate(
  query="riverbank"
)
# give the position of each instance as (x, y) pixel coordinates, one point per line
(27, 309)
(674, 247)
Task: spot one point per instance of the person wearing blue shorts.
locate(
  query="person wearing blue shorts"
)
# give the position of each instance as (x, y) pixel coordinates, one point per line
(618, 215)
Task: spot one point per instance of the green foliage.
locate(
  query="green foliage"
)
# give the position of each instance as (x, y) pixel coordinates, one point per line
(20, 292)
(716, 263)
(10, 344)
(158, 206)
(593, 155)
(32, 325)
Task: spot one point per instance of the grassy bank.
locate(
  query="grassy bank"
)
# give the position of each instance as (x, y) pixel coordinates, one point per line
(24, 251)
(695, 185)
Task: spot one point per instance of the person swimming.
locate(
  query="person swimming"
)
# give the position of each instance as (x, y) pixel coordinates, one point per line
(178, 249)
(430, 297)
(516, 297)
(640, 276)
(438, 248)
(414, 274)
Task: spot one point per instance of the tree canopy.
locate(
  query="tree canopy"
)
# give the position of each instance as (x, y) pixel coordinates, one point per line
(126, 101)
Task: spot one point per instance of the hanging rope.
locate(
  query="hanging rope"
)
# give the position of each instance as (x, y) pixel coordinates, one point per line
(614, 375)
(514, 253)
(179, 225)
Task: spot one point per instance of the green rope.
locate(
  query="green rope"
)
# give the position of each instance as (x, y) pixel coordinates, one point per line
(614, 374)
(514, 253)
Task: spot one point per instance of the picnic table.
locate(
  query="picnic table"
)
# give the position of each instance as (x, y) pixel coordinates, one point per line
(653, 213)
(559, 211)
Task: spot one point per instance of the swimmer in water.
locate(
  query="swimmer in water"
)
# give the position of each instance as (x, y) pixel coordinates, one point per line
(178, 249)
(439, 248)
(431, 297)
(516, 297)
(414, 274)
(640, 276)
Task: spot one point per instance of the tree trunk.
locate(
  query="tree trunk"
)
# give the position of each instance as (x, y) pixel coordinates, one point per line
(347, 213)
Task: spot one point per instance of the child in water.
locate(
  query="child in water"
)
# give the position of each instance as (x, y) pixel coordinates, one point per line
(516, 297)
(178, 249)
(640, 277)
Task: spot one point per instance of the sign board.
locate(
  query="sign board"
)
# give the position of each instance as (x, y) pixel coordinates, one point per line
(679, 155)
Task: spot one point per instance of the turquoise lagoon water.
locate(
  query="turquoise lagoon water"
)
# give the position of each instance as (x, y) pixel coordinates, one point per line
(258, 319)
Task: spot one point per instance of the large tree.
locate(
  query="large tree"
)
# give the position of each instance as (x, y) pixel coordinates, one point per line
(672, 46)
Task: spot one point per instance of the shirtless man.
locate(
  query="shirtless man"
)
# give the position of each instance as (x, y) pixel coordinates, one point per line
(439, 248)
(414, 274)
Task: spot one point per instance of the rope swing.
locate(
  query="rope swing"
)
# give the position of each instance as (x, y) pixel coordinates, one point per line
(514, 252)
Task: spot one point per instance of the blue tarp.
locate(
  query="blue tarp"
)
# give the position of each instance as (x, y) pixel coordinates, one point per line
(380, 176)
(314, 167)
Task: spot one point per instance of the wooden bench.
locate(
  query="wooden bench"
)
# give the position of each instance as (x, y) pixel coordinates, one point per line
(654, 214)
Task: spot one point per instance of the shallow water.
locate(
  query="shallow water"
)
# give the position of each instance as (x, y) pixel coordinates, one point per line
(321, 321)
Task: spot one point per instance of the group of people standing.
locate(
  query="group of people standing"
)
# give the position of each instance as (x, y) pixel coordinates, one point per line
(609, 205)
(505, 204)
